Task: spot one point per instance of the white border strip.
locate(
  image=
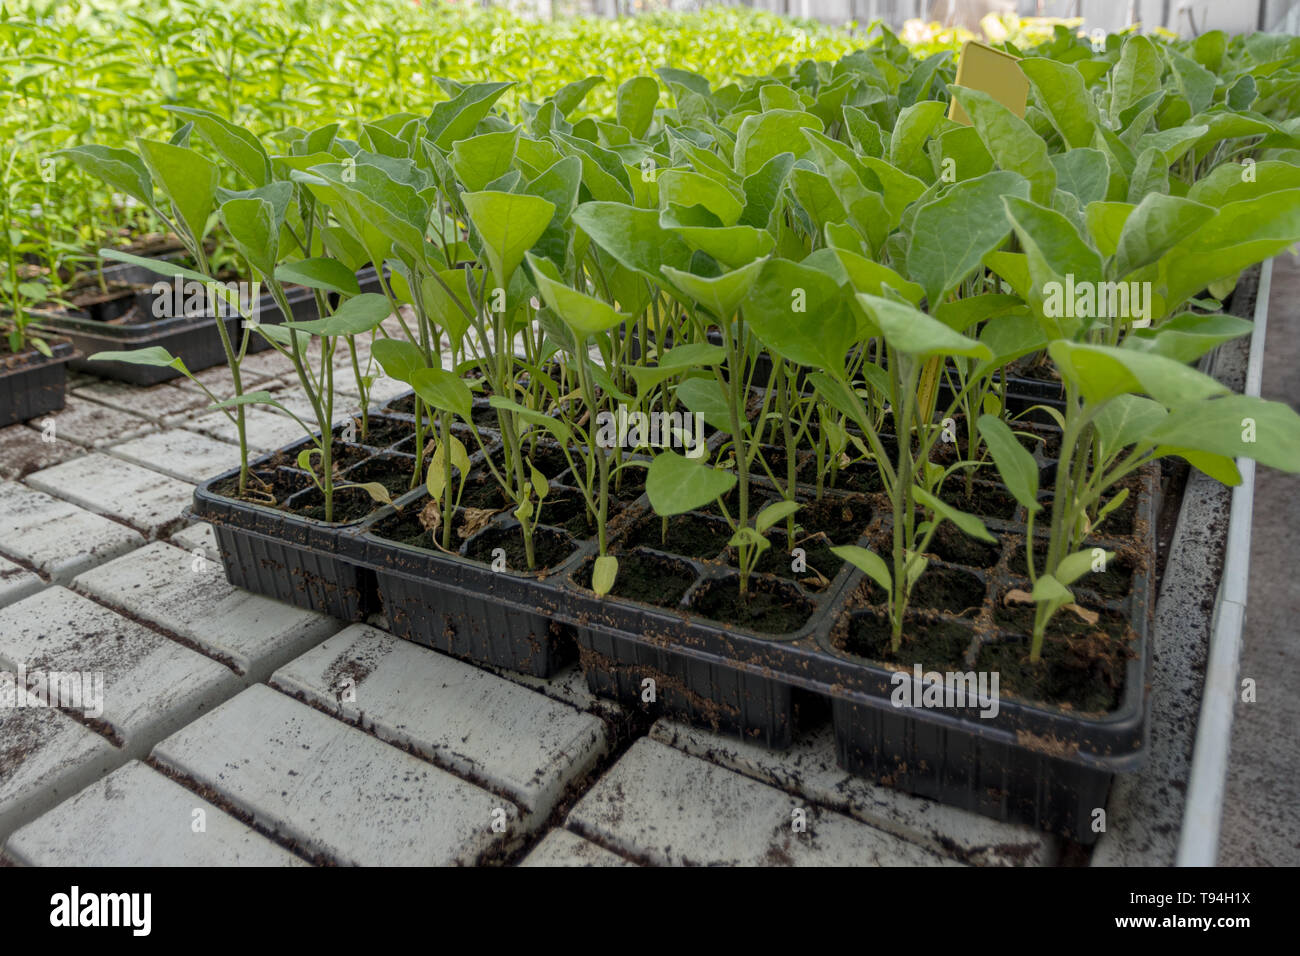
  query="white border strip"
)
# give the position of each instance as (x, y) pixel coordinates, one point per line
(1198, 844)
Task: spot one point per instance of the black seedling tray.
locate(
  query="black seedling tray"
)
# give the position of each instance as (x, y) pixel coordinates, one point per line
(194, 339)
(287, 556)
(459, 604)
(1034, 763)
(1037, 763)
(32, 384)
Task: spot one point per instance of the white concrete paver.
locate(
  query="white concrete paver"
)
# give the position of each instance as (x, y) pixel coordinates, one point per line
(667, 808)
(92, 424)
(471, 721)
(150, 685)
(563, 848)
(137, 816)
(24, 449)
(189, 596)
(45, 756)
(809, 768)
(333, 789)
(16, 582)
(156, 404)
(144, 499)
(185, 455)
(56, 537)
(266, 430)
(198, 537)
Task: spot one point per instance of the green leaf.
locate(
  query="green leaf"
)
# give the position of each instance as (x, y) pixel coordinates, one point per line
(633, 237)
(584, 314)
(1103, 372)
(604, 572)
(799, 313)
(1065, 95)
(483, 159)
(374, 489)
(1084, 173)
(721, 295)
(398, 358)
(952, 234)
(456, 118)
(555, 426)
(569, 96)
(766, 135)
(435, 479)
(509, 224)
(913, 332)
(686, 188)
(637, 99)
(1011, 141)
(120, 169)
(186, 178)
(1235, 426)
(773, 513)
(1053, 250)
(323, 273)
(1049, 591)
(155, 355)
(443, 390)
(359, 314)
(1187, 337)
(676, 484)
(1242, 234)
(868, 563)
(251, 224)
(1125, 420)
(240, 148)
(1076, 565)
(1157, 225)
(1016, 466)
(731, 246)
(1136, 76)
(704, 396)
(540, 485)
(968, 523)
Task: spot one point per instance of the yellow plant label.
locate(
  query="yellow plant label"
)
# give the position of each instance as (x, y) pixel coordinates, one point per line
(990, 71)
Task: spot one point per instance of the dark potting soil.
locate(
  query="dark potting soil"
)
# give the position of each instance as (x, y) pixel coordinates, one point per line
(1046, 440)
(1114, 583)
(342, 455)
(1082, 667)
(770, 607)
(482, 492)
(1120, 522)
(1037, 367)
(942, 588)
(952, 544)
(566, 508)
(268, 487)
(549, 548)
(350, 504)
(842, 520)
(546, 457)
(819, 563)
(382, 432)
(987, 501)
(647, 578)
(690, 535)
(776, 458)
(393, 472)
(936, 645)
(631, 487)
